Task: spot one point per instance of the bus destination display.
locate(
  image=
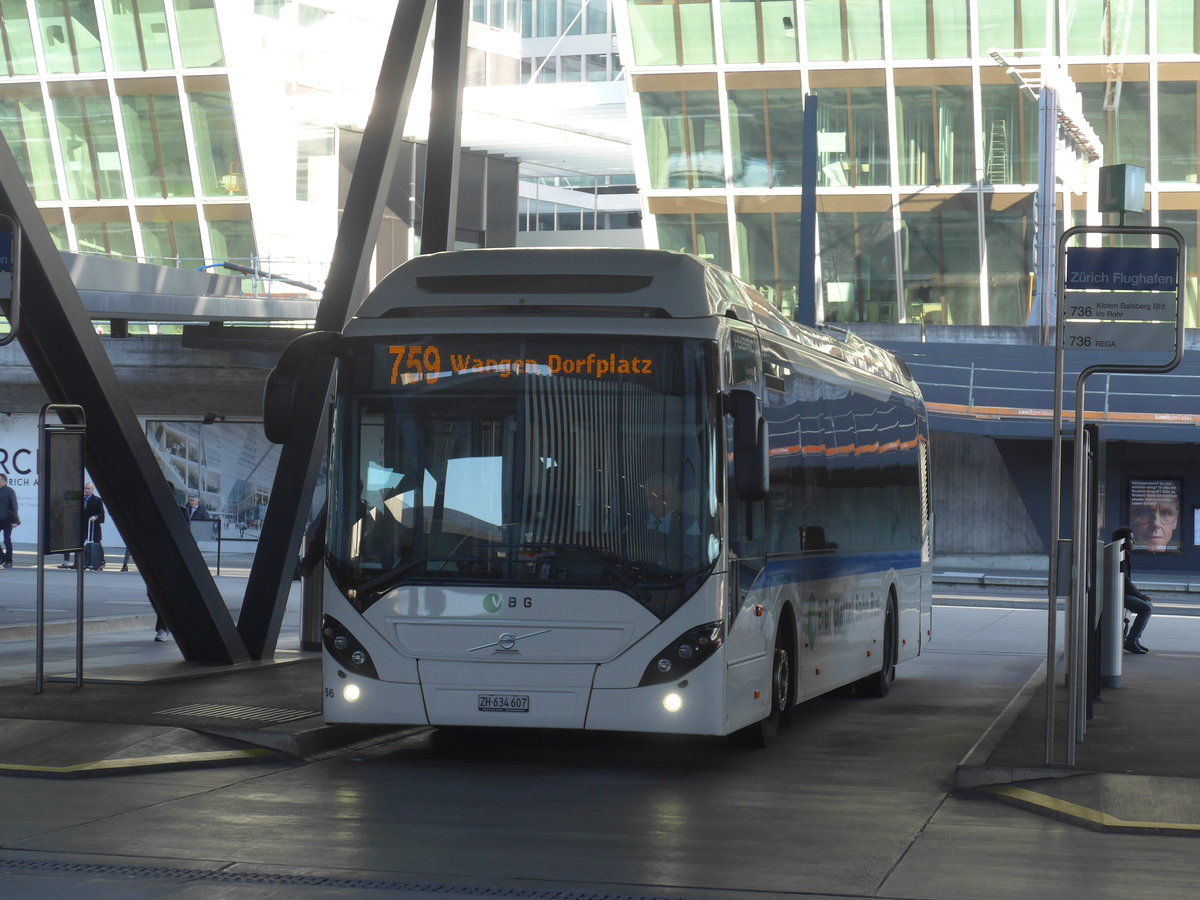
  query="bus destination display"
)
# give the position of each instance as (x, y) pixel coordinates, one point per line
(400, 365)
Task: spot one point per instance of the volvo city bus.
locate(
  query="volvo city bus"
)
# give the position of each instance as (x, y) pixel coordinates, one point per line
(612, 490)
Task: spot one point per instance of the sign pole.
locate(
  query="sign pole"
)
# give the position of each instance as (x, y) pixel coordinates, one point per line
(1111, 300)
(60, 513)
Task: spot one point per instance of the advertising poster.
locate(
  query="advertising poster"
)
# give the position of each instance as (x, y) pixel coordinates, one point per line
(1154, 514)
(228, 466)
(18, 460)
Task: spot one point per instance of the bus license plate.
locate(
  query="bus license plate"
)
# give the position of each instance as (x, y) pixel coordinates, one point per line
(504, 703)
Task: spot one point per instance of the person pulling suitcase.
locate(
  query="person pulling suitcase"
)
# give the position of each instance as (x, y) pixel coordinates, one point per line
(90, 530)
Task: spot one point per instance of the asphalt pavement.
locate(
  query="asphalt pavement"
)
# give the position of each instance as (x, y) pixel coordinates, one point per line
(142, 707)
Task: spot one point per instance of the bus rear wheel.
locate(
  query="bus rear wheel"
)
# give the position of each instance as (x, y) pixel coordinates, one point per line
(763, 732)
(878, 684)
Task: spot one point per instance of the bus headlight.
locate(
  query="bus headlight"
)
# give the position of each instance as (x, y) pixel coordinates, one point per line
(345, 648)
(684, 653)
(351, 692)
(672, 702)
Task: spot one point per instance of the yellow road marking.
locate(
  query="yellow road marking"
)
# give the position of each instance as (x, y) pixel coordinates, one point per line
(104, 765)
(1075, 811)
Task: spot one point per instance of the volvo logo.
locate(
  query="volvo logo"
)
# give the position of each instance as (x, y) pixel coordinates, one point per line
(507, 643)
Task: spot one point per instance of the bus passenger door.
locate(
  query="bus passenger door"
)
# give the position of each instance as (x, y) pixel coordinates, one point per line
(746, 652)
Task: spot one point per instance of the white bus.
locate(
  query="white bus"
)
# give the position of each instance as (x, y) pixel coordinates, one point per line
(612, 490)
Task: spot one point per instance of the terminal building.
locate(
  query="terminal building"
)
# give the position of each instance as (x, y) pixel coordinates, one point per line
(190, 133)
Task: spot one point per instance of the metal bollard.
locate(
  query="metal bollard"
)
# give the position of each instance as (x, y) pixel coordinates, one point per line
(1112, 602)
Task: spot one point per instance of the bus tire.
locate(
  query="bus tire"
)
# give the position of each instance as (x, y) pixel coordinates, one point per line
(878, 684)
(763, 732)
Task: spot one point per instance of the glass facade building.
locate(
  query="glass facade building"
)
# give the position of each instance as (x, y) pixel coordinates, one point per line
(122, 118)
(927, 149)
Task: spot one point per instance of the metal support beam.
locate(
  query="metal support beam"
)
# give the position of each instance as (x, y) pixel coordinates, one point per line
(349, 271)
(806, 296)
(64, 351)
(439, 222)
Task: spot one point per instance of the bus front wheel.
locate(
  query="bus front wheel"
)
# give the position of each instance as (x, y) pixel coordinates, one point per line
(763, 732)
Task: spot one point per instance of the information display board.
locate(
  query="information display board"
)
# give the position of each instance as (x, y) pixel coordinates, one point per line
(63, 479)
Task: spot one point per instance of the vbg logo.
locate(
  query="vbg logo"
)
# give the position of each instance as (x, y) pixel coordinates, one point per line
(492, 603)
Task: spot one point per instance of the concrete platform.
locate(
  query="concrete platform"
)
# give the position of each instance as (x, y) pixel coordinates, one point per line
(1137, 769)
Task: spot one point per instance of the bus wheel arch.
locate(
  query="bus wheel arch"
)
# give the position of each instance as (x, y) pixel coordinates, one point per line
(878, 684)
(782, 689)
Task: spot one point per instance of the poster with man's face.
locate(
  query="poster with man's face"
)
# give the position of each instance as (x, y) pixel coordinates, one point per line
(1154, 513)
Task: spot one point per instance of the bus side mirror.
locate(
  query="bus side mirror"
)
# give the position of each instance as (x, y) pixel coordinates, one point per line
(292, 378)
(751, 443)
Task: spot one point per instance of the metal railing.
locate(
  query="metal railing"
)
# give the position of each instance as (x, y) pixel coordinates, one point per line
(978, 388)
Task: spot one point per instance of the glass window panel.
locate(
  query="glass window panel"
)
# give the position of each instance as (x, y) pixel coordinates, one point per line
(597, 17)
(696, 31)
(852, 156)
(572, 16)
(569, 219)
(1009, 236)
(24, 126)
(858, 266)
(766, 131)
(910, 29)
(1184, 221)
(683, 139)
(172, 244)
(941, 266)
(864, 29)
(138, 34)
(154, 136)
(998, 25)
(199, 36)
(1119, 26)
(58, 231)
(87, 136)
(779, 31)
(1009, 135)
(548, 74)
(705, 235)
(742, 30)
(933, 126)
(767, 245)
(1176, 26)
(547, 18)
(17, 37)
(950, 29)
(233, 240)
(824, 29)
(217, 154)
(110, 238)
(1177, 123)
(570, 68)
(596, 63)
(527, 18)
(1116, 28)
(1120, 114)
(759, 30)
(668, 33)
(70, 36)
(1009, 24)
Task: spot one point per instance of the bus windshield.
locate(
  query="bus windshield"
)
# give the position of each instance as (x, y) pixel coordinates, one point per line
(519, 460)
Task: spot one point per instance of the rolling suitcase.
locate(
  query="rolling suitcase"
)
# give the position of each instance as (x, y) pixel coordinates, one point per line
(93, 552)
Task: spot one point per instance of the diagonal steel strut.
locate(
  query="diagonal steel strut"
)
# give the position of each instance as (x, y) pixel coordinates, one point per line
(66, 355)
(291, 493)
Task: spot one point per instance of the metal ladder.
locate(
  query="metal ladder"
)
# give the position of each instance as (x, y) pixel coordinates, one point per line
(997, 158)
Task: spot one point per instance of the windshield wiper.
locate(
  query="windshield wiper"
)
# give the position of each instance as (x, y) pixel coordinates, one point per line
(385, 580)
